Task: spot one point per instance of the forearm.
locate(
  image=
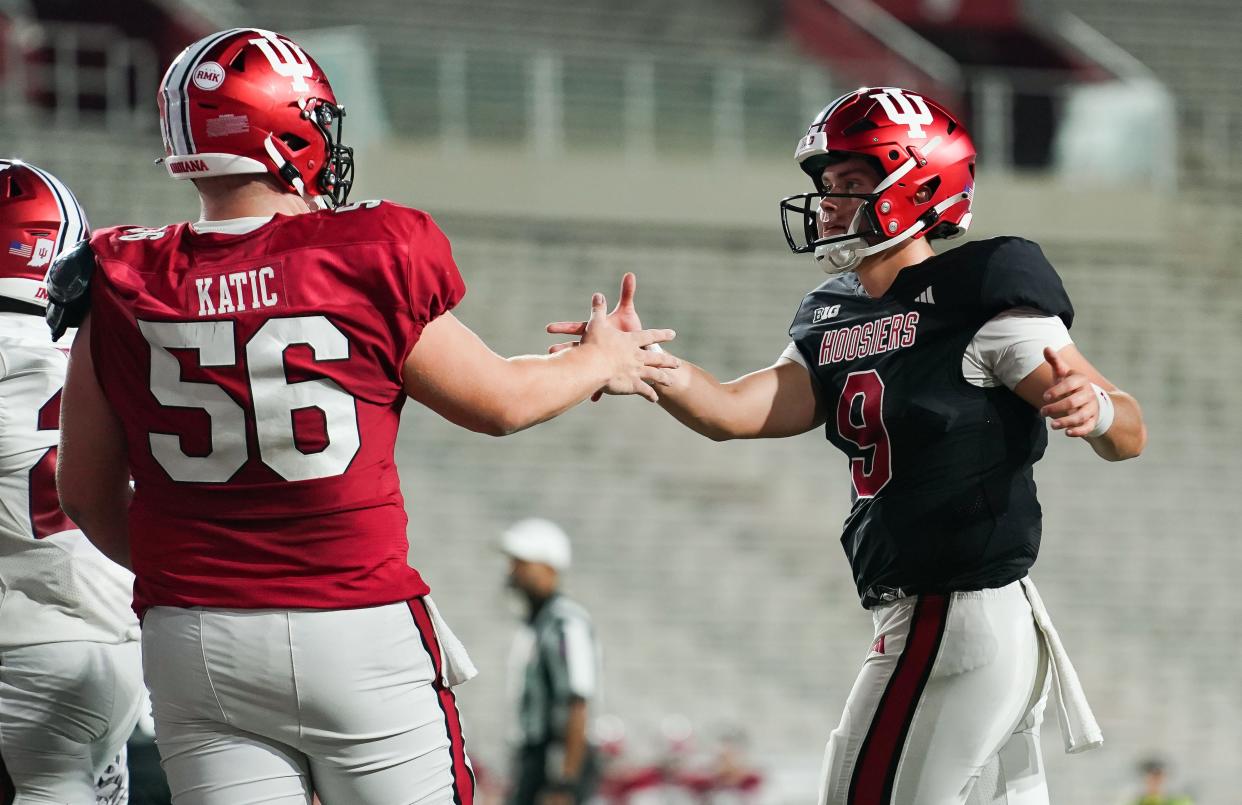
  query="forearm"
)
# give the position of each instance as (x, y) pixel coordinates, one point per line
(771, 403)
(575, 741)
(536, 388)
(702, 403)
(1127, 436)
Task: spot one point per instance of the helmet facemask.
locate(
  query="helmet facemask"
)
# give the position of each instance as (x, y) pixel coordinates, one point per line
(337, 176)
(836, 253)
(844, 251)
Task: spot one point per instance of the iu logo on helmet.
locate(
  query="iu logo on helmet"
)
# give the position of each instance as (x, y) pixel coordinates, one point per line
(286, 58)
(906, 110)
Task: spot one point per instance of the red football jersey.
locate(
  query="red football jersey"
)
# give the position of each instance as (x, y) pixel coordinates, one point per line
(258, 379)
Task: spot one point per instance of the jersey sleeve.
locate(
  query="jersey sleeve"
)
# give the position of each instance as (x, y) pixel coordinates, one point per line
(579, 658)
(801, 327)
(1011, 346)
(435, 284)
(1018, 275)
(799, 332)
(792, 353)
(574, 670)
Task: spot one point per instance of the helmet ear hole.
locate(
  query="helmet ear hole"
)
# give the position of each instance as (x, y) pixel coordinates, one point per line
(293, 141)
(929, 188)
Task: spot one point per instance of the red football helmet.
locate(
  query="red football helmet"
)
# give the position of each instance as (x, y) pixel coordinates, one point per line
(39, 219)
(917, 145)
(247, 100)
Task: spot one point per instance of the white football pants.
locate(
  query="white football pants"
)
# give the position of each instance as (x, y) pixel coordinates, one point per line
(953, 685)
(66, 711)
(271, 705)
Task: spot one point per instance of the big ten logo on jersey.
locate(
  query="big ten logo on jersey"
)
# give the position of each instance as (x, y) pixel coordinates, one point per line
(873, 338)
(905, 109)
(825, 313)
(236, 290)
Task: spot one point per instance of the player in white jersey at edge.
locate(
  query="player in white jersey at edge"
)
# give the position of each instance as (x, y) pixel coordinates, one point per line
(70, 673)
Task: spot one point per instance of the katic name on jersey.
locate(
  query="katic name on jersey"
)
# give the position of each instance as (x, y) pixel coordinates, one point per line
(873, 338)
(238, 291)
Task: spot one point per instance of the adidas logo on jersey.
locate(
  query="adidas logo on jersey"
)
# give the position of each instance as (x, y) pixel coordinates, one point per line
(926, 297)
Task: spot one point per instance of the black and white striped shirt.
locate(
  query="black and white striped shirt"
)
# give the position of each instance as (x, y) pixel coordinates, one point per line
(555, 660)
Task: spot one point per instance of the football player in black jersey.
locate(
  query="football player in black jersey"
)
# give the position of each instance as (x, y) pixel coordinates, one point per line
(933, 374)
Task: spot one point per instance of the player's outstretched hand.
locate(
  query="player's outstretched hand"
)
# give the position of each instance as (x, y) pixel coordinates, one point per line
(1070, 401)
(624, 317)
(634, 370)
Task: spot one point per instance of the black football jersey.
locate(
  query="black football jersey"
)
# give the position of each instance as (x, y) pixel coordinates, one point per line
(943, 492)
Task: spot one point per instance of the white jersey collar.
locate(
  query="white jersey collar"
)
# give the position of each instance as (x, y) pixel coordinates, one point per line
(231, 226)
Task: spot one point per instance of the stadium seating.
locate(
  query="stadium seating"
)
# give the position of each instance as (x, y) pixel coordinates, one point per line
(1192, 47)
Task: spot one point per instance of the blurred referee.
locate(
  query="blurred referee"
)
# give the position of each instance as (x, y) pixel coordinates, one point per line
(554, 673)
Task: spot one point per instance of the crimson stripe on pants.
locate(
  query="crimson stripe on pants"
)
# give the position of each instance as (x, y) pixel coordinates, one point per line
(876, 767)
(463, 775)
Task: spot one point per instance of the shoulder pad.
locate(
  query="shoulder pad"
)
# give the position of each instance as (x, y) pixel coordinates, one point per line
(69, 288)
(1019, 275)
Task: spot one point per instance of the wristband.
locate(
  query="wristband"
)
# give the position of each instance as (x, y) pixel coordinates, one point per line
(1104, 419)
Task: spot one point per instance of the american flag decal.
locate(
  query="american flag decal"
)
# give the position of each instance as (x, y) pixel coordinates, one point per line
(21, 249)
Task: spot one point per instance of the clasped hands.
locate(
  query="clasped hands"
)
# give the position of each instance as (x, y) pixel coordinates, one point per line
(638, 368)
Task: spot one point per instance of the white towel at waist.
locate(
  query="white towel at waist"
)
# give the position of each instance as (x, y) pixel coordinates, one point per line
(1079, 729)
(457, 667)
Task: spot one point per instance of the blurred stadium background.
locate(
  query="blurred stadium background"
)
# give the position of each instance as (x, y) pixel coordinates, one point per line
(563, 142)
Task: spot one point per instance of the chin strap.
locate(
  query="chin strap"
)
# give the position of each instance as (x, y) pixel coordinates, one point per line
(838, 258)
(843, 256)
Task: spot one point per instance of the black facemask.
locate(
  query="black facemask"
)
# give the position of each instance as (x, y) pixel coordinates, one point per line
(337, 176)
(802, 233)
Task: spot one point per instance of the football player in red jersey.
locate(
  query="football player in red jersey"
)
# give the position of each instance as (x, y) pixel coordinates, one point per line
(933, 373)
(70, 678)
(249, 370)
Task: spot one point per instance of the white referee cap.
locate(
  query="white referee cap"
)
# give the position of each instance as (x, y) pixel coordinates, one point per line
(537, 540)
